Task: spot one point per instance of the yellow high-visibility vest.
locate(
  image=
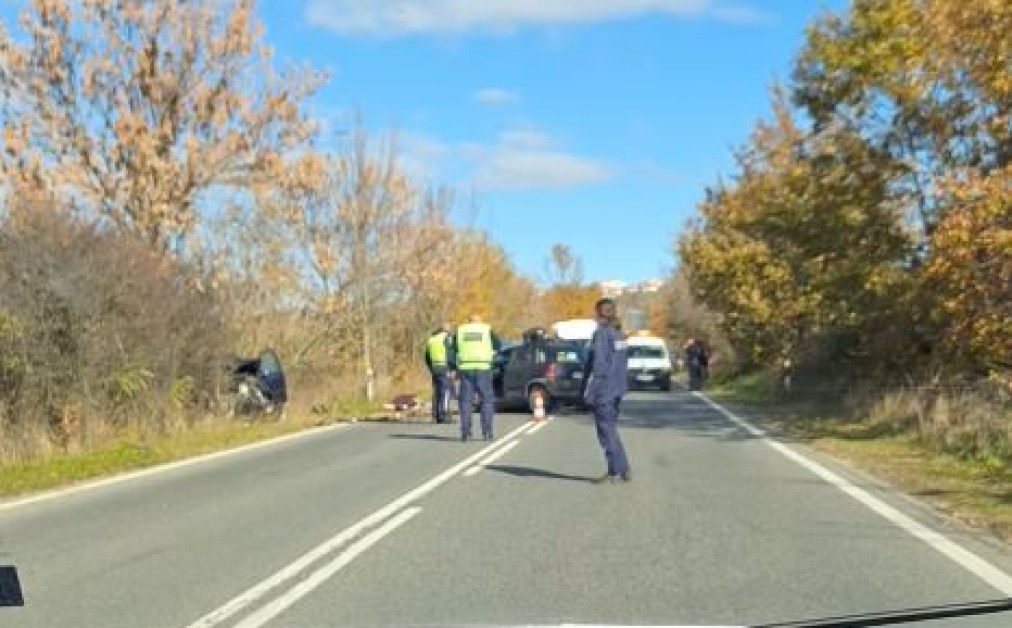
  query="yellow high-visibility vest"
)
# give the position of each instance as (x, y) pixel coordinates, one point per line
(474, 347)
(436, 349)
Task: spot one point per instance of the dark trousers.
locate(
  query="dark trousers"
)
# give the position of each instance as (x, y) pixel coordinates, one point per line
(442, 388)
(606, 421)
(480, 382)
(696, 376)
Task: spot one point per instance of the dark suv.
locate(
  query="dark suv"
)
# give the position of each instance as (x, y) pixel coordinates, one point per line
(540, 365)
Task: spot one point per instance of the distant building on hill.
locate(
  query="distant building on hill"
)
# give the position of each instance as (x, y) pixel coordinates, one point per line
(651, 286)
(614, 288)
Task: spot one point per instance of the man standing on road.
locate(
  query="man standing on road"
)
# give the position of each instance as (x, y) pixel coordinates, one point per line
(438, 357)
(696, 363)
(606, 369)
(475, 345)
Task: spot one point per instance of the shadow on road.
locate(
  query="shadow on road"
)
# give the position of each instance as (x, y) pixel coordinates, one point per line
(529, 472)
(687, 417)
(424, 437)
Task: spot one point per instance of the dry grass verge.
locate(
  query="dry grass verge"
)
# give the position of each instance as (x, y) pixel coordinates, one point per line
(950, 449)
(133, 451)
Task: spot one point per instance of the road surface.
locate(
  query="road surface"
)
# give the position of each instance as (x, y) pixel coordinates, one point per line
(402, 524)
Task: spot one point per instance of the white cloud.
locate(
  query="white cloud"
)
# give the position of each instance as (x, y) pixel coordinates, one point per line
(520, 159)
(427, 17)
(524, 139)
(517, 169)
(741, 14)
(495, 96)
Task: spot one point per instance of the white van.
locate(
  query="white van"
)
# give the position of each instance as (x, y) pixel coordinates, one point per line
(580, 329)
(649, 362)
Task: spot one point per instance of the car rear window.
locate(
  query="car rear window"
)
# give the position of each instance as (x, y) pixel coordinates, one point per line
(573, 354)
(646, 352)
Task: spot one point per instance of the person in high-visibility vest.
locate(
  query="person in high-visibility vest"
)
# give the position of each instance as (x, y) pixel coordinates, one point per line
(438, 357)
(474, 345)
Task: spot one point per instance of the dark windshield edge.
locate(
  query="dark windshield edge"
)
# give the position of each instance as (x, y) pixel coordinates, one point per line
(892, 618)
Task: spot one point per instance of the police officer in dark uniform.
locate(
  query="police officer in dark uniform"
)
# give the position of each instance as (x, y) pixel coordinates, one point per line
(606, 368)
(439, 359)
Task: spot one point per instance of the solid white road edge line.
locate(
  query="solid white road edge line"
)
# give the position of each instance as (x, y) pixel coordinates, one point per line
(487, 461)
(976, 565)
(302, 563)
(538, 426)
(321, 575)
(163, 468)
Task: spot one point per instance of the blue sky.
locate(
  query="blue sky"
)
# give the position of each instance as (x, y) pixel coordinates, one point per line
(596, 123)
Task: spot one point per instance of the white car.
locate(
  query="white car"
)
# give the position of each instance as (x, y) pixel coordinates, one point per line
(649, 363)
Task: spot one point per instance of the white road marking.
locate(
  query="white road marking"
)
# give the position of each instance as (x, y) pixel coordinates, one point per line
(163, 468)
(254, 593)
(976, 565)
(476, 469)
(537, 427)
(321, 575)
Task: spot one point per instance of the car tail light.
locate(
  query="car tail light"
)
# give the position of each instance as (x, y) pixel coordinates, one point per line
(551, 371)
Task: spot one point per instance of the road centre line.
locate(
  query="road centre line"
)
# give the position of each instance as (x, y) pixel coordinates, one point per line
(321, 575)
(254, 593)
(537, 426)
(976, 565)
(490, 459)
(163, 468)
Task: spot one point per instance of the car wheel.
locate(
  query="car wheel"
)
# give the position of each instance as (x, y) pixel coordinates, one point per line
(666, 385)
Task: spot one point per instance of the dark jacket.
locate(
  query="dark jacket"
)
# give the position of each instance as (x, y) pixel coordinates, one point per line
(695, 355)
(607, 366)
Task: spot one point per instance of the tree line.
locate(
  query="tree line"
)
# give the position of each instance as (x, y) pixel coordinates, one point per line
(867, 228)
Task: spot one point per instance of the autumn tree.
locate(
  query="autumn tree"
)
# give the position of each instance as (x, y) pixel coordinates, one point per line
(879, 231)
(564, 267)
(969, 271)
(567, 296)
(488, 283)
(135, 111)
(805, 241)
(677, 314)
(347, 239)
(926, 81)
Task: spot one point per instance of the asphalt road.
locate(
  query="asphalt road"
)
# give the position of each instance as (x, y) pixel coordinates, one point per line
(396, 524)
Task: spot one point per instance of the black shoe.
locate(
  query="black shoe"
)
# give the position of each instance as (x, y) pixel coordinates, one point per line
(487, 437)
(627, 476)
(465, 437)
(607, 478)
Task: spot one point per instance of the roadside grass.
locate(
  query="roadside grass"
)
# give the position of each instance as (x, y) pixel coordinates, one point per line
(974, 490)
(976, 493)
(132, 451)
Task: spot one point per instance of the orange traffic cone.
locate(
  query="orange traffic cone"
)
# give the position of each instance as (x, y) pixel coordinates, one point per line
(539, 407)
